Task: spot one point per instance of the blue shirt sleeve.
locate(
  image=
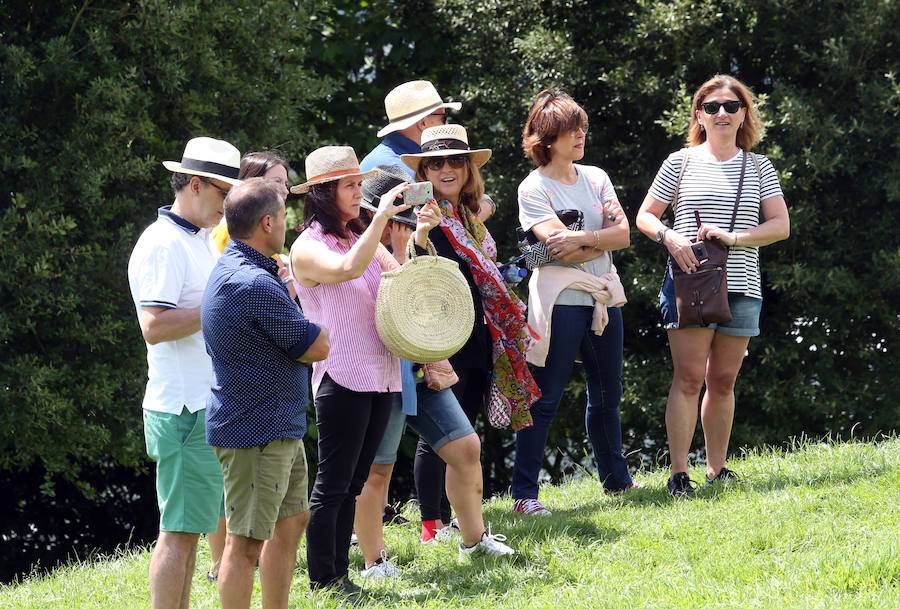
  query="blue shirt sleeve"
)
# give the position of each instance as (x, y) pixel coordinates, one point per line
(280, 317)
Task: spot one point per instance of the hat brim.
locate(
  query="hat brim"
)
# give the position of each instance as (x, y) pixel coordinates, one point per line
(409, 121)
(300, 189)
(176, 167)
(396, 217)
(479, 156)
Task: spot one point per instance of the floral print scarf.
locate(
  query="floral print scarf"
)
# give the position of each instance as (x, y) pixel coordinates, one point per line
(513, 389)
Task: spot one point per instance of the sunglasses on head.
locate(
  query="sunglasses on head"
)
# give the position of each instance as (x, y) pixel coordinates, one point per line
(730, 106)
(436, 163)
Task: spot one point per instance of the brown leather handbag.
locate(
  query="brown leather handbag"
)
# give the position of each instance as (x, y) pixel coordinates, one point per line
(701, 297)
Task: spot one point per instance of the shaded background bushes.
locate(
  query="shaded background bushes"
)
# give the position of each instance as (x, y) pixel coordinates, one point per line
(97, 93)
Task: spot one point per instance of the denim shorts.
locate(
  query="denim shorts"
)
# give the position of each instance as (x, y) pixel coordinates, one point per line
(744, 311)
(439, 419)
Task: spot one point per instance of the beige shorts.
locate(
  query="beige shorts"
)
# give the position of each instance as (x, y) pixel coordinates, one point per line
(263, 484)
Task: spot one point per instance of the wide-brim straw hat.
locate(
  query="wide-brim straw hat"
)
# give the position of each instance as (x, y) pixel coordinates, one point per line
(210, 158)
(330, 163)
(411, 102)
(373, 188)
(446, 140)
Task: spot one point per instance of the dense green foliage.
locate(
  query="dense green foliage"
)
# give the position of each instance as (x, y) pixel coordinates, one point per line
(816, 527)
(97, 93)
(827, 77)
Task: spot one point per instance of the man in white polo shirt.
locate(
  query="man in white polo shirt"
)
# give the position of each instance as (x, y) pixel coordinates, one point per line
(167, 272)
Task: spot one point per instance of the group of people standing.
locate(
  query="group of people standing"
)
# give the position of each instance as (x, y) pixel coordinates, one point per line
(230, 352)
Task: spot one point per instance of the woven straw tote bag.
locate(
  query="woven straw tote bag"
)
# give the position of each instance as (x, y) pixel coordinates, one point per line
(424, 311)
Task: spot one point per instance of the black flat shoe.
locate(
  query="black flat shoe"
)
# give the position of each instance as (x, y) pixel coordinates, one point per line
(681, 484)
(723, 475)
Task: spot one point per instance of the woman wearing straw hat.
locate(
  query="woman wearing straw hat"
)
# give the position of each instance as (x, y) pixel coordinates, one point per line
(492, 362)
(338, 267)
(440, 421)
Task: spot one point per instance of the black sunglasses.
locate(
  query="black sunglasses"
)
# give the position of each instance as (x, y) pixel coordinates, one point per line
(730, 106)
(455, 162)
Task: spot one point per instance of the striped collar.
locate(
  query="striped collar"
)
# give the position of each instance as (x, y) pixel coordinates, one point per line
(166, 212)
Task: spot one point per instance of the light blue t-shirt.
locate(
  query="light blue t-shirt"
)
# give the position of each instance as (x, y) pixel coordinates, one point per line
(388, 153)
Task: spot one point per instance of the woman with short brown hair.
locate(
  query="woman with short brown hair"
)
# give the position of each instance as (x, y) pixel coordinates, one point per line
(564, 293)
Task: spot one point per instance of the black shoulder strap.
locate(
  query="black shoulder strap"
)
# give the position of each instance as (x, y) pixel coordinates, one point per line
(737, 199)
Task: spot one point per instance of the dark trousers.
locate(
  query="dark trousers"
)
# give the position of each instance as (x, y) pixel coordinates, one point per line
(350, 426)
(429, 469)
(602, 356)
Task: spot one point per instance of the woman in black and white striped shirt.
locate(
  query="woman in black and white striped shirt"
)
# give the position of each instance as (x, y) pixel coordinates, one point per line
(724, 127)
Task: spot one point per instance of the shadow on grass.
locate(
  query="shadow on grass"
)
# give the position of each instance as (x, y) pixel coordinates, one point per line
(496, 576)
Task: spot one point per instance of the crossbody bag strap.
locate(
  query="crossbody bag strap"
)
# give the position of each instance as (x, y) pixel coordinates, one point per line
(737, 199)
(755, 160)
(678, 183)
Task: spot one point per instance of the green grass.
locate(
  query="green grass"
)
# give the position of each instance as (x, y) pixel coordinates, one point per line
(818, 526)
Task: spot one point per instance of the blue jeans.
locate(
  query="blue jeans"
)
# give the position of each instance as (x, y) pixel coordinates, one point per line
(602, 357)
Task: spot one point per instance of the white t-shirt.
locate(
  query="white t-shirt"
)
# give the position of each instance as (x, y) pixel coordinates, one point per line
(710, 187)
(541, 197)
(169, 267)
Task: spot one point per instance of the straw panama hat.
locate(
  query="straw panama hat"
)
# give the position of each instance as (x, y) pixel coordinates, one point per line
(446, 140)
(373, 189)
(330, 163)
(204, 156)
(411, 102)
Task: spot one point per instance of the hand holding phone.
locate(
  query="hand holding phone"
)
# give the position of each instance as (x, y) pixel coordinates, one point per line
(418, 193)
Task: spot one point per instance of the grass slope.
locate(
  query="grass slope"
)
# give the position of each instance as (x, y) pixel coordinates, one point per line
(818, 526)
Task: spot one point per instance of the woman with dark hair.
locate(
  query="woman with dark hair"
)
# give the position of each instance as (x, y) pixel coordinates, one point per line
(255, 165)
(337, 263)
(492, 362)
(714, 177)
(569, 294)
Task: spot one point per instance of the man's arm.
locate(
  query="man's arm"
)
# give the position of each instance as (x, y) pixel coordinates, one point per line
(318, 350)
(161, 324)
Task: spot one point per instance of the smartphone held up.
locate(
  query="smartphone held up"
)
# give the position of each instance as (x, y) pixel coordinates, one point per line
(418, 193)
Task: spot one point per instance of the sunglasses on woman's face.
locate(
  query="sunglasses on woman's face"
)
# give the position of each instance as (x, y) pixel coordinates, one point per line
(730, 106)
(437, 163)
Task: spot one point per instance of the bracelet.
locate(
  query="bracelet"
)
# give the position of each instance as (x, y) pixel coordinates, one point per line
(735, 240)
(597, 245)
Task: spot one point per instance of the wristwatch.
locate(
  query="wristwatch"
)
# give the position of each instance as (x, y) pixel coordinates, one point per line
(661, 233)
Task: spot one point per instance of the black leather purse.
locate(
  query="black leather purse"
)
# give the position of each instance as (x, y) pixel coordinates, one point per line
(534, 250)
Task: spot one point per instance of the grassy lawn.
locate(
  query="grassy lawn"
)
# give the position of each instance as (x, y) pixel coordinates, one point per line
(815, 527)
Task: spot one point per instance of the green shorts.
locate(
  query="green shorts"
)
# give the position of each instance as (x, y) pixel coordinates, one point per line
(188, 475)
(263, 484)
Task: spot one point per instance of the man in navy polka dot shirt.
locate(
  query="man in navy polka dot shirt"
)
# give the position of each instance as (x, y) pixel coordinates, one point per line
(260, 344)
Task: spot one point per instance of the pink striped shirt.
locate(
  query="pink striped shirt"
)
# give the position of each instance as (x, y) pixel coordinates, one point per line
(358, 360)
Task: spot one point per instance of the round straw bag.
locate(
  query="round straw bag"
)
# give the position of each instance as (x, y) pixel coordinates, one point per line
(424, 311)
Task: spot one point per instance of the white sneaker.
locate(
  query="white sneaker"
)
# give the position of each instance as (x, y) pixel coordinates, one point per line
(382, 569)
(530, 507)
(449, 532)
(491, 545)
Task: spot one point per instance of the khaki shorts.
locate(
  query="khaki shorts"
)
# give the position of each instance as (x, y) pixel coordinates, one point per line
(263, 484)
